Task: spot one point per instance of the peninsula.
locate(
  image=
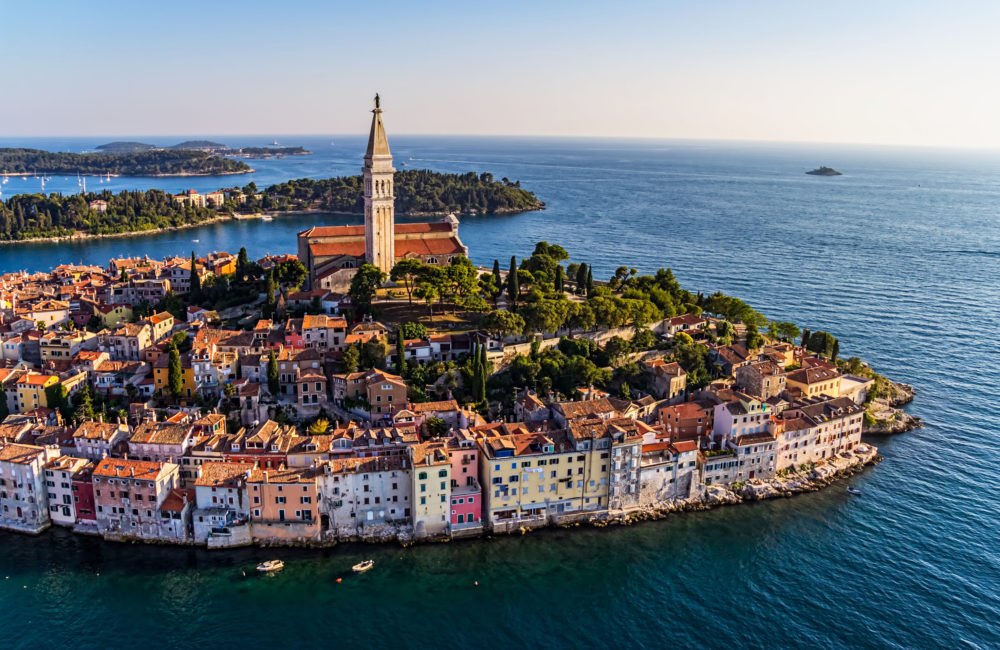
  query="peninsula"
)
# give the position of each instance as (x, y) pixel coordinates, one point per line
(32, 217)
(180, 162)
(223, 401)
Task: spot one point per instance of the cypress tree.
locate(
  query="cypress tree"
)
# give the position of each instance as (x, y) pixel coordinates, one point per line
(175, 373)
(590, 282)
(272, 374)
(581, 278)
(269, 302)
(195, 281)
(242, 260)
(481, 387)
(496, 273)
(400, 352)
(559, 278)
(513, 290)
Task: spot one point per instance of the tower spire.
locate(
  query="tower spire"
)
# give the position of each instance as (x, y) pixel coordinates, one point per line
(379, 195)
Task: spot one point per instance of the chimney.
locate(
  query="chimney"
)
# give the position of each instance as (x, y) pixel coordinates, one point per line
(131, 472)
(100, 418)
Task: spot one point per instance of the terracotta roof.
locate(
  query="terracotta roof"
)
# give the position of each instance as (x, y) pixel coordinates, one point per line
(20, 454)
(126, 467)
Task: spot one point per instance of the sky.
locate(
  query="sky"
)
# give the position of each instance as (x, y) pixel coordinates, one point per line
(892, 72)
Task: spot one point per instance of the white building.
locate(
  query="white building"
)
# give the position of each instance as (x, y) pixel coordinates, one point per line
(59, 483)
(366, 496)
(23, 496)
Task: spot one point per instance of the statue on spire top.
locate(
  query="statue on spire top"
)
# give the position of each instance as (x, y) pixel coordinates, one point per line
(376, 101)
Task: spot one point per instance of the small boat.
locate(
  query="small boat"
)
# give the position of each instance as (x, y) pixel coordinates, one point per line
(270, 565)
(196, 240)
(361, 567)
(267, 218)
(854, 490)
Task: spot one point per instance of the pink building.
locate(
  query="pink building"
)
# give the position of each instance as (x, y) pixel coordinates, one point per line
(466, 492)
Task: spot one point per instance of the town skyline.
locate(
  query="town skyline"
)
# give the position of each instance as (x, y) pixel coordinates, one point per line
(774, 73)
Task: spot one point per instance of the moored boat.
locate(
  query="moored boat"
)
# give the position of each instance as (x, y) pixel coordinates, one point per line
(854, 490)
(270, 565)
(361, 567)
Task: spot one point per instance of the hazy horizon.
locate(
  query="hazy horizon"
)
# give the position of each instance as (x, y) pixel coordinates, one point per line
(891, 73)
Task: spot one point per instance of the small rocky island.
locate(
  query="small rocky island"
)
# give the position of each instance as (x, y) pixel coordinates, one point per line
(824, 171)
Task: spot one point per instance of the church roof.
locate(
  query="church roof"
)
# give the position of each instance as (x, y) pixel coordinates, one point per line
(359, 231)
(404, 247)
(378, 144)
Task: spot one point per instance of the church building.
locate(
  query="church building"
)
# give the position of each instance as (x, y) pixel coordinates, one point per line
(332, 254)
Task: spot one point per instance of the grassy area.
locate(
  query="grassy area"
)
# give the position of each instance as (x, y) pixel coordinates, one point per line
(446, 317)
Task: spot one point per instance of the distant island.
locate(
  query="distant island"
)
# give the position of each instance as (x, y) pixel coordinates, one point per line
(207, 146)
(159, 162)
(824, 171)
(419, 192)
(97, 214)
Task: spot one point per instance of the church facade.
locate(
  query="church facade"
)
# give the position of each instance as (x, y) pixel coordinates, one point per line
(332, 254)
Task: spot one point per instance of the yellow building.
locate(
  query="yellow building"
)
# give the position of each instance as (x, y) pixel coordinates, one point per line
(530, 479)
(31, 391)
(431, 477)
(113, 315)
(161, 374)
(815, 381)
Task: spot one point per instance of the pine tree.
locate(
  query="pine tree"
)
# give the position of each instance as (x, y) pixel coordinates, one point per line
(513, 290)
(272, 374)
(195, 281)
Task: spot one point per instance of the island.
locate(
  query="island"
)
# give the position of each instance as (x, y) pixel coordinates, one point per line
(824, 171)
(181, 162)
(215, 148)
(33, 217)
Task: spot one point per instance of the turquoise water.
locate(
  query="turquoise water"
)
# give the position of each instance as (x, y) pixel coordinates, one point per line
(900, 258)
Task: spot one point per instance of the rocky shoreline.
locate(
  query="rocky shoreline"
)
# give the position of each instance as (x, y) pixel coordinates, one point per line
(796, 482)
(887, 416)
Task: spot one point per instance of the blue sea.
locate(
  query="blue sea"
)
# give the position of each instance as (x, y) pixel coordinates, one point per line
(899, 258)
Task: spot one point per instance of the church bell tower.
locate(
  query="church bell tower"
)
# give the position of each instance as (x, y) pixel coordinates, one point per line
(380, 218)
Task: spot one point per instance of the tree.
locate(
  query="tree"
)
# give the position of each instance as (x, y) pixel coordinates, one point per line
(822, 343)
(544, 315)
(364, 284)
(84, 404)
(319, 426)
(428, 293)
(351, 359)
(805, 337)
(123, 277)
(413, 330)
(4, 409)
(616, 348)
(496, 274)
(400, 352)
(175, 372)
(195, 293)
(40, 326)
(513, 290)
(242, 260)
(580, 317)
(270, 289)
(581, 278)
(407, 271)
(500, 324)
(835, 351)
(273, 386)
(56, 397)
(754, 339)
(291, 274)
(559, 278)
(590, 282)
(436, 427)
